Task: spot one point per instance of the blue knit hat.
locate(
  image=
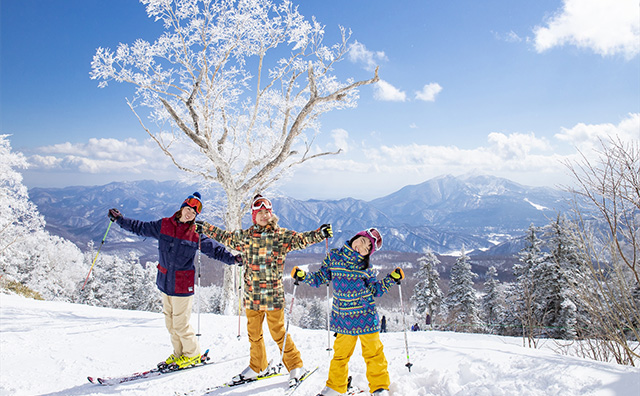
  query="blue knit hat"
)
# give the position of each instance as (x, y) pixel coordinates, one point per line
(194, 202)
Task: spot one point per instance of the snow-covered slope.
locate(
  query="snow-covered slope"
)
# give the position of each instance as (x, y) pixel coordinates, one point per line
(50, 348)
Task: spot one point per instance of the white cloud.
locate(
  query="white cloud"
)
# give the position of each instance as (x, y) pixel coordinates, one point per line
(340, 139)
(358, 53)
(515, 145)
(587, 137)
(606, 27)
(101, 156)
(429, 92)
(387, 92)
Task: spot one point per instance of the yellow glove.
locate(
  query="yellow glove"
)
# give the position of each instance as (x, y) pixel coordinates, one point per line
(298, 274)
(397, 275)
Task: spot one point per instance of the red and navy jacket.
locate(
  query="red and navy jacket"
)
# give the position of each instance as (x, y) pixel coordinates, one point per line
(177, 247)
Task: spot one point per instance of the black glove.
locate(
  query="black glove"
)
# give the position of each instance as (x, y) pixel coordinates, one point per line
(199, 227)
(114, 214)
(326, 231)
(239, 259)
(397, 275)
(297, 274)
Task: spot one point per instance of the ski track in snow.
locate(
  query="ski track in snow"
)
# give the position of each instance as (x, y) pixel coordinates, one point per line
(49, 348)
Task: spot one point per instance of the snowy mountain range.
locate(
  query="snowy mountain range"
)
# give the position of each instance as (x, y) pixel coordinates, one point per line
(441, 214)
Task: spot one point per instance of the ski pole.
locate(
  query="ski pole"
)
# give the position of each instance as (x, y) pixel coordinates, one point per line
(404, 326)
(286, 330)
(94, 260)
(329, 349)
(198, 292)
(239, 280)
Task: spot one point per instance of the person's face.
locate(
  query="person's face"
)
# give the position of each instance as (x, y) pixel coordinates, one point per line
(263, 217)
(187, 214)
(361, 245)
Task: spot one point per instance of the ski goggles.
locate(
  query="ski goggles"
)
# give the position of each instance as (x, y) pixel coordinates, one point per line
(194, 203)
(261, 203)
(375, 235)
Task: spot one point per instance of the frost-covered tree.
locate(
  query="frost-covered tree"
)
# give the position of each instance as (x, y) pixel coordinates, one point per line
(559, 276)
(492, 300)
(314, 316)
(461, 300)
(120, 283)
(520, 305)
(47, 264)
(235, 89)
(610, 246)
(19, 216)
(209, 298)
(427, 295)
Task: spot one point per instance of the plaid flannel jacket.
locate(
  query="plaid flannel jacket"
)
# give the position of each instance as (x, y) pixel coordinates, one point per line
(263, 250)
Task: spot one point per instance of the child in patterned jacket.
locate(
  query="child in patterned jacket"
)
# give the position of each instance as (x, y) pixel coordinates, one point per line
(264, 247)
(354, 314)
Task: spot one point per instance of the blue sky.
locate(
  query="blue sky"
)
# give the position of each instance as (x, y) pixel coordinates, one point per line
(501, 87)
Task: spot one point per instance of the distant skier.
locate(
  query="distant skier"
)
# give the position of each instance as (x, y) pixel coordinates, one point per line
(383, 324)
(177, 247)
(354, 314)
(264, 247)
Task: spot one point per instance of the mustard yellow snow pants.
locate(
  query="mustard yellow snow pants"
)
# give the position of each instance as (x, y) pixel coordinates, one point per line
(177, 313)
(373, 354)
(275, 322)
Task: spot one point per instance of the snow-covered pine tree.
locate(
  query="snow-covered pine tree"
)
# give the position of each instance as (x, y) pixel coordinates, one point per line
(314, 316)
(241, 106)
(561, 274)
(47, 264)
(461, 300)
(519, 315)
(19, 216)
(492, 300)
(427, 295)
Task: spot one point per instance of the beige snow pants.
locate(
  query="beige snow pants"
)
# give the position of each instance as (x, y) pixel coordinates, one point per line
(177, 313)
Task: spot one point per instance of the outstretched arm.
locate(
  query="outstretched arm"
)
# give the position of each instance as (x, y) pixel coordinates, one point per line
(232, 240)
(216, 251)
(379, 287)
(149, 229)
(315, 279)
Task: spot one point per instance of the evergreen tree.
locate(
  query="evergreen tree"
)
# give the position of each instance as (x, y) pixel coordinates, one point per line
(427, 295)
(314, 317)
(492, 300)
(461, 300)
(520, 305)
(559, 277)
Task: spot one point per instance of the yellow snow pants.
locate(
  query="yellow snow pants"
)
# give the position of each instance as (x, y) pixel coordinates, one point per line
(275, 322)
(373, 354)
(177, 313)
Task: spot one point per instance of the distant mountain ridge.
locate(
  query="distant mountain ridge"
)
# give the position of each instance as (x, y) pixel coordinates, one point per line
(441, 214)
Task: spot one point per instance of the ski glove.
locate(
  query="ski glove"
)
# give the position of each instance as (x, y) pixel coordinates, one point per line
(298, 274)
(239, 259)
(199, 227)
(114, 214)
(326, 231)
(397, 275)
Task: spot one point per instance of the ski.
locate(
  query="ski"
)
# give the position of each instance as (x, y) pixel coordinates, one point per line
(212, 389)
(306, 375)
(154, 372)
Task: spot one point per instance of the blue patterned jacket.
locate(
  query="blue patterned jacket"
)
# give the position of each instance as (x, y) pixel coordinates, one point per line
(354, 309)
